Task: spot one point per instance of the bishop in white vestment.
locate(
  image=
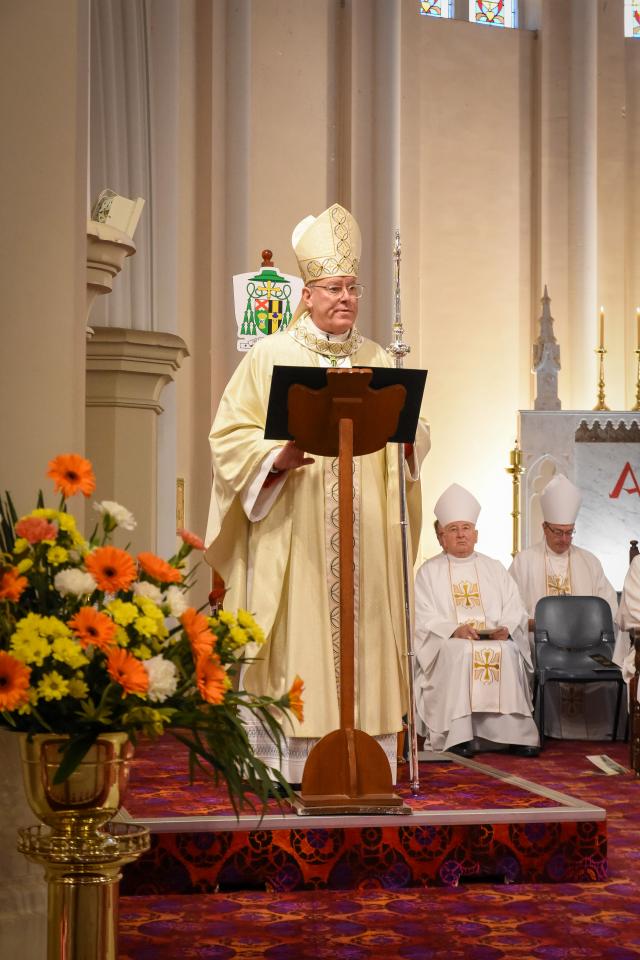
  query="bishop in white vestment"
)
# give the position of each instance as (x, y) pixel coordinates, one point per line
(273, 520)
(473, 657)
(629, 616)
(554, 567)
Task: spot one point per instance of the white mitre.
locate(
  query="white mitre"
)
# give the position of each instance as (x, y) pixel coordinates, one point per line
(456, 505)
(560, 501)
(328, 245)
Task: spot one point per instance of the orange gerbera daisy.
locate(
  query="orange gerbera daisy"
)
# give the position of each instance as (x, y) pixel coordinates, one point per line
(112, 569)
(11, 584)
(201, 638)
(212, 680)
(71, 474)
(14, 682)
(295, 698)
(128, 671)
(92, 626)
(159, 569)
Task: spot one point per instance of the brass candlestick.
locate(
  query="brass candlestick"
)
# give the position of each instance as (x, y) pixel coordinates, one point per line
(601, 405)
(636, 405)
(516, 470)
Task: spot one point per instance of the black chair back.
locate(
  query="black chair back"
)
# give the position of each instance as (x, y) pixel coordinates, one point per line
(574, 623)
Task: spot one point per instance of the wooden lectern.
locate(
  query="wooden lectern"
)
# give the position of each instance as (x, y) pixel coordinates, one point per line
(347, 771)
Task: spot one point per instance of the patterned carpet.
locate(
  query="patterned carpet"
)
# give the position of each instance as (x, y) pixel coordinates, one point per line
(478, 921)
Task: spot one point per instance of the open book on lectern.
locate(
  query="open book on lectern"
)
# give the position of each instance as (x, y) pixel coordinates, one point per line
(315, 378)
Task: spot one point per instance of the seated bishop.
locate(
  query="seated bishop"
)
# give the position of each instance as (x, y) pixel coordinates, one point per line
(474, 665)
(628, 617)
(556, 567)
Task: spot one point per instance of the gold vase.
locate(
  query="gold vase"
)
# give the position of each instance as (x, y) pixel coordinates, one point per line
(82, 851)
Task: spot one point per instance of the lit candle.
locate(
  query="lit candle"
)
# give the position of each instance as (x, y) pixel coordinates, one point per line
(602, 328)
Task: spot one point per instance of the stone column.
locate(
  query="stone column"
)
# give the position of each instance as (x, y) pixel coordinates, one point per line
(43, 172)
(126, 372)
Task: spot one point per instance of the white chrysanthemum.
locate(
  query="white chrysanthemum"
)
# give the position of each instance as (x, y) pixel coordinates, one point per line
(143, 588)
(77, 582)
(176, 601)
(123, 517)
(163, 678)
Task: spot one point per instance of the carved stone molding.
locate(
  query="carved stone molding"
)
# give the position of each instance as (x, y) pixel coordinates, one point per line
(608, 432)
(107, 249)
(129, 368)
(126, 373)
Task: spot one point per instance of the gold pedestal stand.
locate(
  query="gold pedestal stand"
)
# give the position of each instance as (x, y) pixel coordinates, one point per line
(636, 405)
(516, 470)
(601, 405)
(83, 849)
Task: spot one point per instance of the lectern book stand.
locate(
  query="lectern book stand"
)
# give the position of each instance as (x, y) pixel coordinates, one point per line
(347, 771)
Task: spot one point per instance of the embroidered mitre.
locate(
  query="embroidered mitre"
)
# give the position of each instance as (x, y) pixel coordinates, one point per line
(328, 245)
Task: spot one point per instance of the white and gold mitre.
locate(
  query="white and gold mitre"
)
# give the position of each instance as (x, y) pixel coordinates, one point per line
(560, 500)
(328, 245)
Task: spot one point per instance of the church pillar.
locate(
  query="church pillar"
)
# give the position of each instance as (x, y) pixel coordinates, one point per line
(43, 169)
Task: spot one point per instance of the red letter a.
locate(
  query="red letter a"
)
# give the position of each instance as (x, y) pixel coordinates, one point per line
(627, 469)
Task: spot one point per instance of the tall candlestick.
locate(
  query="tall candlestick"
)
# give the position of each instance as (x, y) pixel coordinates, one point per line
(602, 328)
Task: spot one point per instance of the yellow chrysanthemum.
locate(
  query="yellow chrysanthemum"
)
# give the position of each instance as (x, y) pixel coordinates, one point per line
(20, 545)
(24, 565)
(149, 608)
(143, 652)
(70, 652)
(66, 521)
(146, 626)
(122, 637)
(30, 648)
(53, 686)
(45, 512)
(57, 555)
(238, 636)
(227, 618)
(78, 689)
(122, 612)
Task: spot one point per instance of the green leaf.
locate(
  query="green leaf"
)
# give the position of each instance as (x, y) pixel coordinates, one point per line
(73, 754)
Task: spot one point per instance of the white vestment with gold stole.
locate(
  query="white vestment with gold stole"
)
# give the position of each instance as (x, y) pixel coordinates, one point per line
(278, 555)
(471, 689)
(572, 711)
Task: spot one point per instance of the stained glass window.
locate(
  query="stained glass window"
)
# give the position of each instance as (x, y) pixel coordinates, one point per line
(632, 18)
(497, 13)
(436, 8)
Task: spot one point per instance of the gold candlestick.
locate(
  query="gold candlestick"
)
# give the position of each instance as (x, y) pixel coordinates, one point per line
(516, 470)
(601, 405)
(636, 405)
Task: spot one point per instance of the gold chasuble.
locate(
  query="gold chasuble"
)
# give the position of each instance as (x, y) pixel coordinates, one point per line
(283, 567)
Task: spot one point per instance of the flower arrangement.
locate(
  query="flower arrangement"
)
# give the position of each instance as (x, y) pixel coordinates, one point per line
(93, 640)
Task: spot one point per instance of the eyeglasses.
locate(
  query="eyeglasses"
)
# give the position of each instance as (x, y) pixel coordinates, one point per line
(557, 532)
(354, 291)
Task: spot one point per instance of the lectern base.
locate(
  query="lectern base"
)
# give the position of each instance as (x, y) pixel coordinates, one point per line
(336, 806)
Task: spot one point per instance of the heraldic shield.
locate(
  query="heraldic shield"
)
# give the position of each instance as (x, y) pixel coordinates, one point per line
(264, 302)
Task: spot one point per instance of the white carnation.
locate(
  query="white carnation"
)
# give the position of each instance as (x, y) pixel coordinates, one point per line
(143, 588)
(176, 601)
(77, 582)
(163, 678)
(122, 517)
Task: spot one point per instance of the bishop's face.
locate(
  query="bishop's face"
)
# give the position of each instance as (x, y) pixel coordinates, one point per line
(459, 538)
(332, 304)
(558, 536)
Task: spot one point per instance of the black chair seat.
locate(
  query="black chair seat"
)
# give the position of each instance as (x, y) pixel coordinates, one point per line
(569, 633)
